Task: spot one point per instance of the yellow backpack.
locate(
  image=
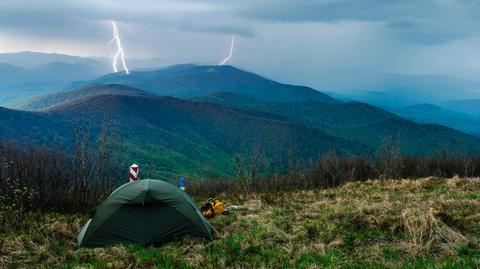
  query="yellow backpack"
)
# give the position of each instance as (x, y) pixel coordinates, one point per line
(213, 207)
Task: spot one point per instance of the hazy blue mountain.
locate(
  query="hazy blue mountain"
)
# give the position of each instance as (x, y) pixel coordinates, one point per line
(67, 72)
(193, 80)
(29, 59)
(395, 89)
(469, 106)
(375, 98)
(428, 113)
(30, 74)
(54, 73)
(430, 88)
(412, 97)
(13, 76)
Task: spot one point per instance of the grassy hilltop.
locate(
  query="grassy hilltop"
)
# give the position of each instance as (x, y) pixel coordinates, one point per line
(427, 223)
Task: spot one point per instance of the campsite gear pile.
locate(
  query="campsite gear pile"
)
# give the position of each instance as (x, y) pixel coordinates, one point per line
(213, 207)
(146, 212)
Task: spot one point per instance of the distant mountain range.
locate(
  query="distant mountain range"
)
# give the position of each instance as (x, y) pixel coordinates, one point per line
(461, 114)
(29, 59)
(238, 90)
(29, 74)
(192, 119)
(428, 113)
(468, 106)
(393, 90)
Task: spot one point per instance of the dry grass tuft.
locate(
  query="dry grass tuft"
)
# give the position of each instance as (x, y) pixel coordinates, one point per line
(427, 232)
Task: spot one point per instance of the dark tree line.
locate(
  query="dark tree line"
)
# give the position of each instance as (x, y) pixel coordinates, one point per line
(36, 178)
(333, 170)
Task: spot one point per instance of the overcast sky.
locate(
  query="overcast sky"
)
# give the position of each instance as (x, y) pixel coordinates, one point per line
(294, 40)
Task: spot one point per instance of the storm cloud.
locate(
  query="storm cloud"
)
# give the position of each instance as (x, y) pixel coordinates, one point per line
(428, 21)
(293, 40)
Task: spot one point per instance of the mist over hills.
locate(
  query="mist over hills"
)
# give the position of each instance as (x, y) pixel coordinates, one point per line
(30, 59)
(428, 113)
(463, 115)
(394, 90)
(444, 100)
(468, 106)
(30, 74)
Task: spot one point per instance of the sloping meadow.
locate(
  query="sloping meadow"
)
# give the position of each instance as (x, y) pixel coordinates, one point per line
(396, 224)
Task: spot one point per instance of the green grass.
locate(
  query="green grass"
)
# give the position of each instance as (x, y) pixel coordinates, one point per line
(428, 223)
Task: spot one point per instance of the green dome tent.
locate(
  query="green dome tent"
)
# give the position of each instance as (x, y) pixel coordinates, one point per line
(146, 212)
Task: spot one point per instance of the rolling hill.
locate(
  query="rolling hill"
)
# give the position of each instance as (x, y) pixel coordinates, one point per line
(463, 115)
(194, 80)
(35, 127)
(360, 123)
(64, 97)
(176, 136)
(256, 96)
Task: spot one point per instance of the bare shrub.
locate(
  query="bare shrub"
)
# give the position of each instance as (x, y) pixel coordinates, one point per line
(389, 159)
(249, 167)
(93, 170)
(32, 177)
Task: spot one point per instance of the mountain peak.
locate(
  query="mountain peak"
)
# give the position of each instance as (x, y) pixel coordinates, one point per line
(188, 80)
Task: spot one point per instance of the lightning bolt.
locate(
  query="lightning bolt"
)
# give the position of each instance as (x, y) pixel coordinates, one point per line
(120, 53)
(229, 55)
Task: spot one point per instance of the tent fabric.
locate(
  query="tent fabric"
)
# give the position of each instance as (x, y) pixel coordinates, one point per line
(146, 212)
